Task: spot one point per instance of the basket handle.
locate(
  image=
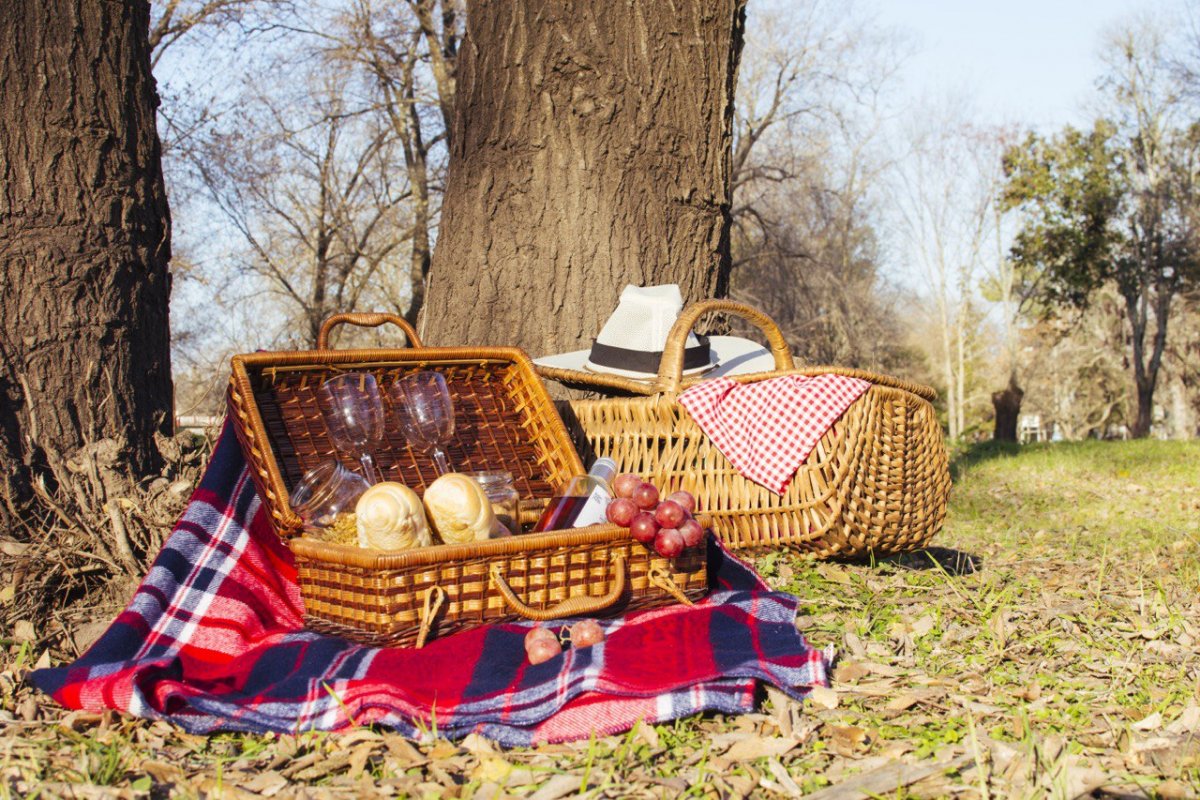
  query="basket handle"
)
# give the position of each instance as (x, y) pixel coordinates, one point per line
(670, 370)
(365, 320)
(579, 605)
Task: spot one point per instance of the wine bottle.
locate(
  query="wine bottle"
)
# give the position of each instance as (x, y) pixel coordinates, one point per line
(583, 502)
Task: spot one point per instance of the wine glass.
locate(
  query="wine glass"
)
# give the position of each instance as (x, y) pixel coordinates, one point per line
(353, 416)
(426, 413)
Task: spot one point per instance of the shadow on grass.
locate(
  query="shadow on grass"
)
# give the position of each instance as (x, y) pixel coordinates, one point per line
(951, 561)
(964, 460)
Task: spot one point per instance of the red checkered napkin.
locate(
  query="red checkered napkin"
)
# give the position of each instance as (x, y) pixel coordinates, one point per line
(767, 428)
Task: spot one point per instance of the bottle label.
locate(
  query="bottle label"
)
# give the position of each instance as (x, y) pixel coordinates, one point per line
(594, 511)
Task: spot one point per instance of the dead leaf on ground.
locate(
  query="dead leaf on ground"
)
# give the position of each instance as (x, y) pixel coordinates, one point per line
(850, 740)
(850, 672)
(756, 747)
(1187, 722)
(823, 697)
(1150, 723)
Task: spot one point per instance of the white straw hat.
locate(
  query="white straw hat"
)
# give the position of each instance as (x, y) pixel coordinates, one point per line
(631, 342)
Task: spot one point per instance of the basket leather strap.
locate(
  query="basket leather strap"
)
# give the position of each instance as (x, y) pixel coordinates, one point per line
(434, 599)
(662, 579)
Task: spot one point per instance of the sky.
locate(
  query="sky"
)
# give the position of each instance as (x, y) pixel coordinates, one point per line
(1032, 62)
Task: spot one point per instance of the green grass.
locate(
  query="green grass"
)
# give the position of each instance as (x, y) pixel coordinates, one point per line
(1046, 645)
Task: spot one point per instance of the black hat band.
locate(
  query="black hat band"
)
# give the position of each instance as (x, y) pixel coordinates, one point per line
(647, 361)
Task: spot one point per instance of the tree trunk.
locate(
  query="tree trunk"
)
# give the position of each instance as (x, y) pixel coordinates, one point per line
(1145, 411)
(590, 149)
(84, 240)
(1007, 404)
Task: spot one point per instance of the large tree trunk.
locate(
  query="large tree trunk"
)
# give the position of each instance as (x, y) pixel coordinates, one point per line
(84, 245)
(590, 149)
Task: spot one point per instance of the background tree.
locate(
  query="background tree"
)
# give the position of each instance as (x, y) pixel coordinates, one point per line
(84, 245)
(590, 148)
(316, 192)
(1116, 206)
(807, 167)
(944, 196)
(391, 42)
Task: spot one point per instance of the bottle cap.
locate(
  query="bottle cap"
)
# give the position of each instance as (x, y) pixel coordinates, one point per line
(605, 469)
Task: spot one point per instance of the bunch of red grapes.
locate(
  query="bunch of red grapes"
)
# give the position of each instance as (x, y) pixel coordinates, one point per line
(667, 524)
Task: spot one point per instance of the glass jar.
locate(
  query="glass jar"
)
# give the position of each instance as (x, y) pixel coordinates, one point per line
(498, 486)
(326, 492)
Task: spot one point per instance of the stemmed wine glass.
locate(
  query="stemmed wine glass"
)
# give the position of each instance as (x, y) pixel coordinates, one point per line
(354, 417)
(426, 413)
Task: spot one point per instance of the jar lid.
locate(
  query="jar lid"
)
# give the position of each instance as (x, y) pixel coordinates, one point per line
(322, 484)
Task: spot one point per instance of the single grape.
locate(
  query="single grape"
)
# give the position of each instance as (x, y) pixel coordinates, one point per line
(539, 634)
(669, 514)
(668, 543)
(692, 532)
(543, 650)
(685, 499)
(643, 528)
(622, 511)
(625, 483)
(586, 633)
(646, 496)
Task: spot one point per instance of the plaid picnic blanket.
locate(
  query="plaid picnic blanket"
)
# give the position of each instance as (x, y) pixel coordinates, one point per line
(213, 639)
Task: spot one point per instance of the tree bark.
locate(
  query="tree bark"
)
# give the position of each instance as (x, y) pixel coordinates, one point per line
(590, 149)
(1007, 405)
(84, 240)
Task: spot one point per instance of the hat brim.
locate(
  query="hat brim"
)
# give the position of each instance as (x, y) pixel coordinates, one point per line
(728, 356)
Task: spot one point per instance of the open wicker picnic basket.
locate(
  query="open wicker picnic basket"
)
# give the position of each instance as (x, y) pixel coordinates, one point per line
(876, 483)
(504, 419)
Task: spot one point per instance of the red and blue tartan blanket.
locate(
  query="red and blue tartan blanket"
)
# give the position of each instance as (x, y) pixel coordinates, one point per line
(213, 639)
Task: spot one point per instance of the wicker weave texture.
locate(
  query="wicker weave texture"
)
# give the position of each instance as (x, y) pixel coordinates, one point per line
(385, 603)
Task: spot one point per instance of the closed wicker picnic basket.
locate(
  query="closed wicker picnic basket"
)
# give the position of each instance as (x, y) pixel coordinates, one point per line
(503, 419)
(876, 483)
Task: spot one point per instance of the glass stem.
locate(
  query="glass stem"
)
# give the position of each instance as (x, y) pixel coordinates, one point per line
(443, 463)
(369, 472)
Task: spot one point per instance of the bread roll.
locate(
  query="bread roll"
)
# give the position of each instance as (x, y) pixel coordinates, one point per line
(390, 517)
(459, 509)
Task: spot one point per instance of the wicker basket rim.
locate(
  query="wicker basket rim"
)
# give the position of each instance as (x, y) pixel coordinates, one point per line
(651, 387)
(381, 356)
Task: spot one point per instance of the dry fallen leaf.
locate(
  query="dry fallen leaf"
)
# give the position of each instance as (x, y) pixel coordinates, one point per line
(850, 672)
(496, 770)
(849, 740)
(923, 626)
(902, 702)
(442, 749)
(824, 697)
(1187, 722)
(755, 747)
(1150, 723)
(265, 783)
(648, 735)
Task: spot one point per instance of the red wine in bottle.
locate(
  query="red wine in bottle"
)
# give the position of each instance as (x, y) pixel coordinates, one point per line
(584, 502)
